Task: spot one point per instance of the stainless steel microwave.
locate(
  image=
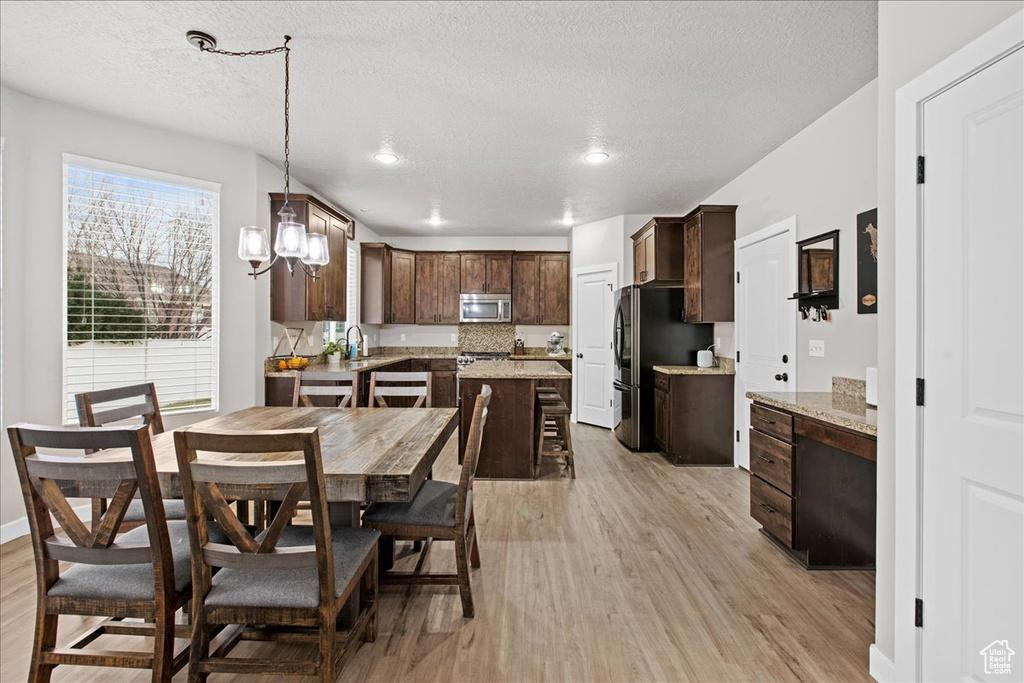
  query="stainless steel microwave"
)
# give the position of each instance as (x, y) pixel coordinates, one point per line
(485, 308)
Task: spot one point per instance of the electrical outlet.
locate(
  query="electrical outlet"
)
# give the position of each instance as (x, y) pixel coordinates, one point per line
(816, 348)
(402, 337)
(718, 343)
(455, 337)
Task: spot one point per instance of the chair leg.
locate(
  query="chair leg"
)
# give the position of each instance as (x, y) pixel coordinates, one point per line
(540, 445)
(474, 544)
(163, 647)
(462, 565)
(570, 460)
(46, 639)
(328, 628)
(369, 600)
(199, 648)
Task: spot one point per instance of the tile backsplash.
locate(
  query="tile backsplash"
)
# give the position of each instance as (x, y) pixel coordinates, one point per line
(486, 337)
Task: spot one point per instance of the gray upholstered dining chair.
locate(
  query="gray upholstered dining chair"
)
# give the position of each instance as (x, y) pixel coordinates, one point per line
(291, 582)
(440, 511)
(343, 387)
(91, 413)
(144, 573)
(386, 385)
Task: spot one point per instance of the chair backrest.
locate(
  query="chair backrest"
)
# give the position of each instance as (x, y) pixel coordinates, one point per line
(47, 480)
(389, 384)
(345, 395)
(208, 484)
(148, 408)
(472, 453)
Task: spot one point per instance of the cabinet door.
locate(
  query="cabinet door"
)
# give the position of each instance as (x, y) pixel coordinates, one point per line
(474, 273)
(693, 297)
(525, 283)
(662, 427)
(335, 273)
(427, 271)
(287, 292)
(316, 291)
(403, 287)
(554, 289)
(650, 262)
(442, 393)
(499, 273)
(638, 261)
(448, 294)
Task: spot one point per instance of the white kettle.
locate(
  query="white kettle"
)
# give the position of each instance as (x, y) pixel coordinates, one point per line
(706, 358)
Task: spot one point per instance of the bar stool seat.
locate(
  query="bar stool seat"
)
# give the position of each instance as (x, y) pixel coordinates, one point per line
(552, 430)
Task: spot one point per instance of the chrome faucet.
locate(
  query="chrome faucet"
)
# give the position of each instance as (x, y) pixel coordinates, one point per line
(348, 343)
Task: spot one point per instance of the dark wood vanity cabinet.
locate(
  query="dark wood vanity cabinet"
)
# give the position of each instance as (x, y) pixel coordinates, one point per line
(658, 252)
(709, 234)
(812, 488)
(486, 272)
(298, 298)
(540, 288)
(437, 288)
(693, 418)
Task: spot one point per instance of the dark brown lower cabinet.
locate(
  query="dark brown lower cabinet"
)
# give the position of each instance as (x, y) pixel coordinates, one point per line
(812, 488)
(693, 418)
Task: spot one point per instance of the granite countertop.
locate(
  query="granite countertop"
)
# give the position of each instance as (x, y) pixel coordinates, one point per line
(722, 368)
(361, 365)
(841, 410)
(514, 369)
(543, 356)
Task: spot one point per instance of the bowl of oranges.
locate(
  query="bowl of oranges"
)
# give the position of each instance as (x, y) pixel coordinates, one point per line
(293, 363)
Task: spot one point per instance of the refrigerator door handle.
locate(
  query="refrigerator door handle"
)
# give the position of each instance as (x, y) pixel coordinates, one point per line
(617, 335)
(621, 386)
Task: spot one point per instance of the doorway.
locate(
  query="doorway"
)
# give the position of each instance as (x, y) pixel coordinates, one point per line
(593, 366)
(765, 322)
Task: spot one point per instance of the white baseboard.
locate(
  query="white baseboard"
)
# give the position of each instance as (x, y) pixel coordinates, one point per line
(19, 527)
(880, 667)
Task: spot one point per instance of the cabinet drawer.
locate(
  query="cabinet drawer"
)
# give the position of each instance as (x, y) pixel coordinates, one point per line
(773, 509)
(772, 422)
(661, 382)
(772, 460)
(443, 365)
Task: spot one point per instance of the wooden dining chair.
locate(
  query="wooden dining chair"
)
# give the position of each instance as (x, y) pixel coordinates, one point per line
(385, 385)
(288, 582)
(440, 511)
(92, 414)
(143, 573)
(345, 395)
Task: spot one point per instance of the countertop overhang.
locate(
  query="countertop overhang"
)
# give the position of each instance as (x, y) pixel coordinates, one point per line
(515, 369)
(841, 410)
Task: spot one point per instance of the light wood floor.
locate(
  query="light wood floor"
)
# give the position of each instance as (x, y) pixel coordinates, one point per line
(635, 571)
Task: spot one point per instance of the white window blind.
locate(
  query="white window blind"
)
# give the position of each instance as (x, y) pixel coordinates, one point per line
(336, 331)
(141, 266)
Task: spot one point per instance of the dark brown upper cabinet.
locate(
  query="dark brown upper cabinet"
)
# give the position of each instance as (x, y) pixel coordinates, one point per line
(486, 273)
(403, 287)
(540, 288)
(298, 298)
(437, 288)
(709, 234)
(657, 252)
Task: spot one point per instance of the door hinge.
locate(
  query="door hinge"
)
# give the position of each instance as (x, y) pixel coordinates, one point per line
(610, 403)
(737, 356)
(920, 391)
(920, 170)
(919, 613)
(737, 436)
(737, 278)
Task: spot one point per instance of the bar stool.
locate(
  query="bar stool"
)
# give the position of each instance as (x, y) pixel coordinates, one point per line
(552, 430)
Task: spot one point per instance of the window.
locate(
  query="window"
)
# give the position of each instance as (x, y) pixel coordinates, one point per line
(337, 331)
(141, 281)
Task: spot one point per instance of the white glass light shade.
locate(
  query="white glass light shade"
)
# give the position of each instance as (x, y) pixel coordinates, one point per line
(291, 240)
(253, 244)
(317, 254)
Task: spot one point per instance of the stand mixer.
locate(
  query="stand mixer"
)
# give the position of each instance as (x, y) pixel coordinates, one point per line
(556, 344)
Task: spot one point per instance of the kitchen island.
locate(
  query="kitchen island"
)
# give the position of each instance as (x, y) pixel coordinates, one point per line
(508, 444)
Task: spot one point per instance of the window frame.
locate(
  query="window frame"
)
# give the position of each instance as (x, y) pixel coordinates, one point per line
(68, 159)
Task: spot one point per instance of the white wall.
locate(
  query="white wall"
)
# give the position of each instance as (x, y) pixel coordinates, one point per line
(912, 37)
(825, 175)
(599, 243)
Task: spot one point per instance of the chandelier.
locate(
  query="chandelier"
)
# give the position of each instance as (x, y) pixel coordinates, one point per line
(293, 243)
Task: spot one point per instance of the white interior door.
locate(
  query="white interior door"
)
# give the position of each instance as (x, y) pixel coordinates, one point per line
(592, 344)
(765, 321)
(972, 582)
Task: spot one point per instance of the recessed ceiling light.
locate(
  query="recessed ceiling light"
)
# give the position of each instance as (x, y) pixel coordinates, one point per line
(435, 218)
(386, 158)
(596, 157)
(567, 219)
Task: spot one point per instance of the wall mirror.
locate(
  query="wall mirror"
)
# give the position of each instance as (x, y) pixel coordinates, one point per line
(818, 259)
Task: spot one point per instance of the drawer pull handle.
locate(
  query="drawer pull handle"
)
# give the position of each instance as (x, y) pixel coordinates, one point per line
(766, 420)
(764, 458)
(768, 508)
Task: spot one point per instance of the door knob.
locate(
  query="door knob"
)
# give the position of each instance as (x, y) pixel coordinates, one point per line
(784, 377)
(579, 355)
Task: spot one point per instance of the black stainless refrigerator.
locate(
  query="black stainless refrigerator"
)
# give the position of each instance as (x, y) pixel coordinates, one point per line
(649, 330)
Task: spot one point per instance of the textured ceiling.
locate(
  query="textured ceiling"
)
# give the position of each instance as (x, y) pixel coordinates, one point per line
(489, 105)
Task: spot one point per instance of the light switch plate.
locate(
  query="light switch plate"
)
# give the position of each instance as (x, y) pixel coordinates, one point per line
(455, 337)
(403, 337)
(816, 348)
